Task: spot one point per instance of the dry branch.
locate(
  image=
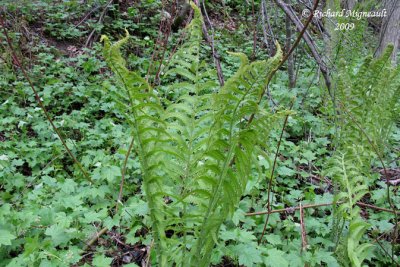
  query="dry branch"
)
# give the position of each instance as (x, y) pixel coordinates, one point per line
(310, 43)
(89, 39)
(95, 237)
(293, 209)
(265, 18)
(303, 230)
(210, 41)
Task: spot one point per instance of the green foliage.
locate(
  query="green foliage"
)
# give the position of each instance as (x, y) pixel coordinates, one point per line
(369, 99)
(101, 261)
(189, 130)
(47, 209)
(196, 150)
(352, 188)
(356, 252)
(6, 237)
(351, 180)
(344, 46)
(368, 102)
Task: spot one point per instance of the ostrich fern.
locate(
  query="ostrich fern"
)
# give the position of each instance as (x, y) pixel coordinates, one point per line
(346, 172)
(368, 107)
(197, 149)
(369, 100)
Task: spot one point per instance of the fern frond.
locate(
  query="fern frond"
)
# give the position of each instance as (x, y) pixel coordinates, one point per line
(345, 172)
(230, 146)
(356, 252)
(370, 95)
(195, 149)
(142, 109)
(368, 98)
(117, 63)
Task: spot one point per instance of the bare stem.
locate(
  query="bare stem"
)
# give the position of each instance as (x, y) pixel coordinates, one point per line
(292, 209)
(39, 101)
(123, 172)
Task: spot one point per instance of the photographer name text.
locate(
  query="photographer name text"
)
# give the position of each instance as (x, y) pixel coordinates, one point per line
(345, 13)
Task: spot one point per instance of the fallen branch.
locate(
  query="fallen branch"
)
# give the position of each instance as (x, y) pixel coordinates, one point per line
(95, 237)
(293, 209)
(303, 230)
(361, 204)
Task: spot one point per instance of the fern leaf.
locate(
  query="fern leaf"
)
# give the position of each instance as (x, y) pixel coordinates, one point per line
(356, 252)
(194, 147)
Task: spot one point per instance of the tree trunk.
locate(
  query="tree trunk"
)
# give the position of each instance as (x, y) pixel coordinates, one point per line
(390, 28)
(349, 4)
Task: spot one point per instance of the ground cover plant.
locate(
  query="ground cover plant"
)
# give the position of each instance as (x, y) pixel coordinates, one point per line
(205, 143)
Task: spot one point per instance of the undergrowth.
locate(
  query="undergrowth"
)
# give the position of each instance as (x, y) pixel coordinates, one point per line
(201, 155)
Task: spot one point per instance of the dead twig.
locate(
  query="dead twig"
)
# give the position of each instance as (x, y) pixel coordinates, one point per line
(265, 18)
(289, 209)
(210, 41)
(89, 39)
(286, 57)
(303, 230)
(293, 209)
(361, 204)
(123, 172)
(165, 28)
(95, 237)
(179, 41)
(87, 15)
(290, 62)
(387, 253)
(253, 56)
(272, 175)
